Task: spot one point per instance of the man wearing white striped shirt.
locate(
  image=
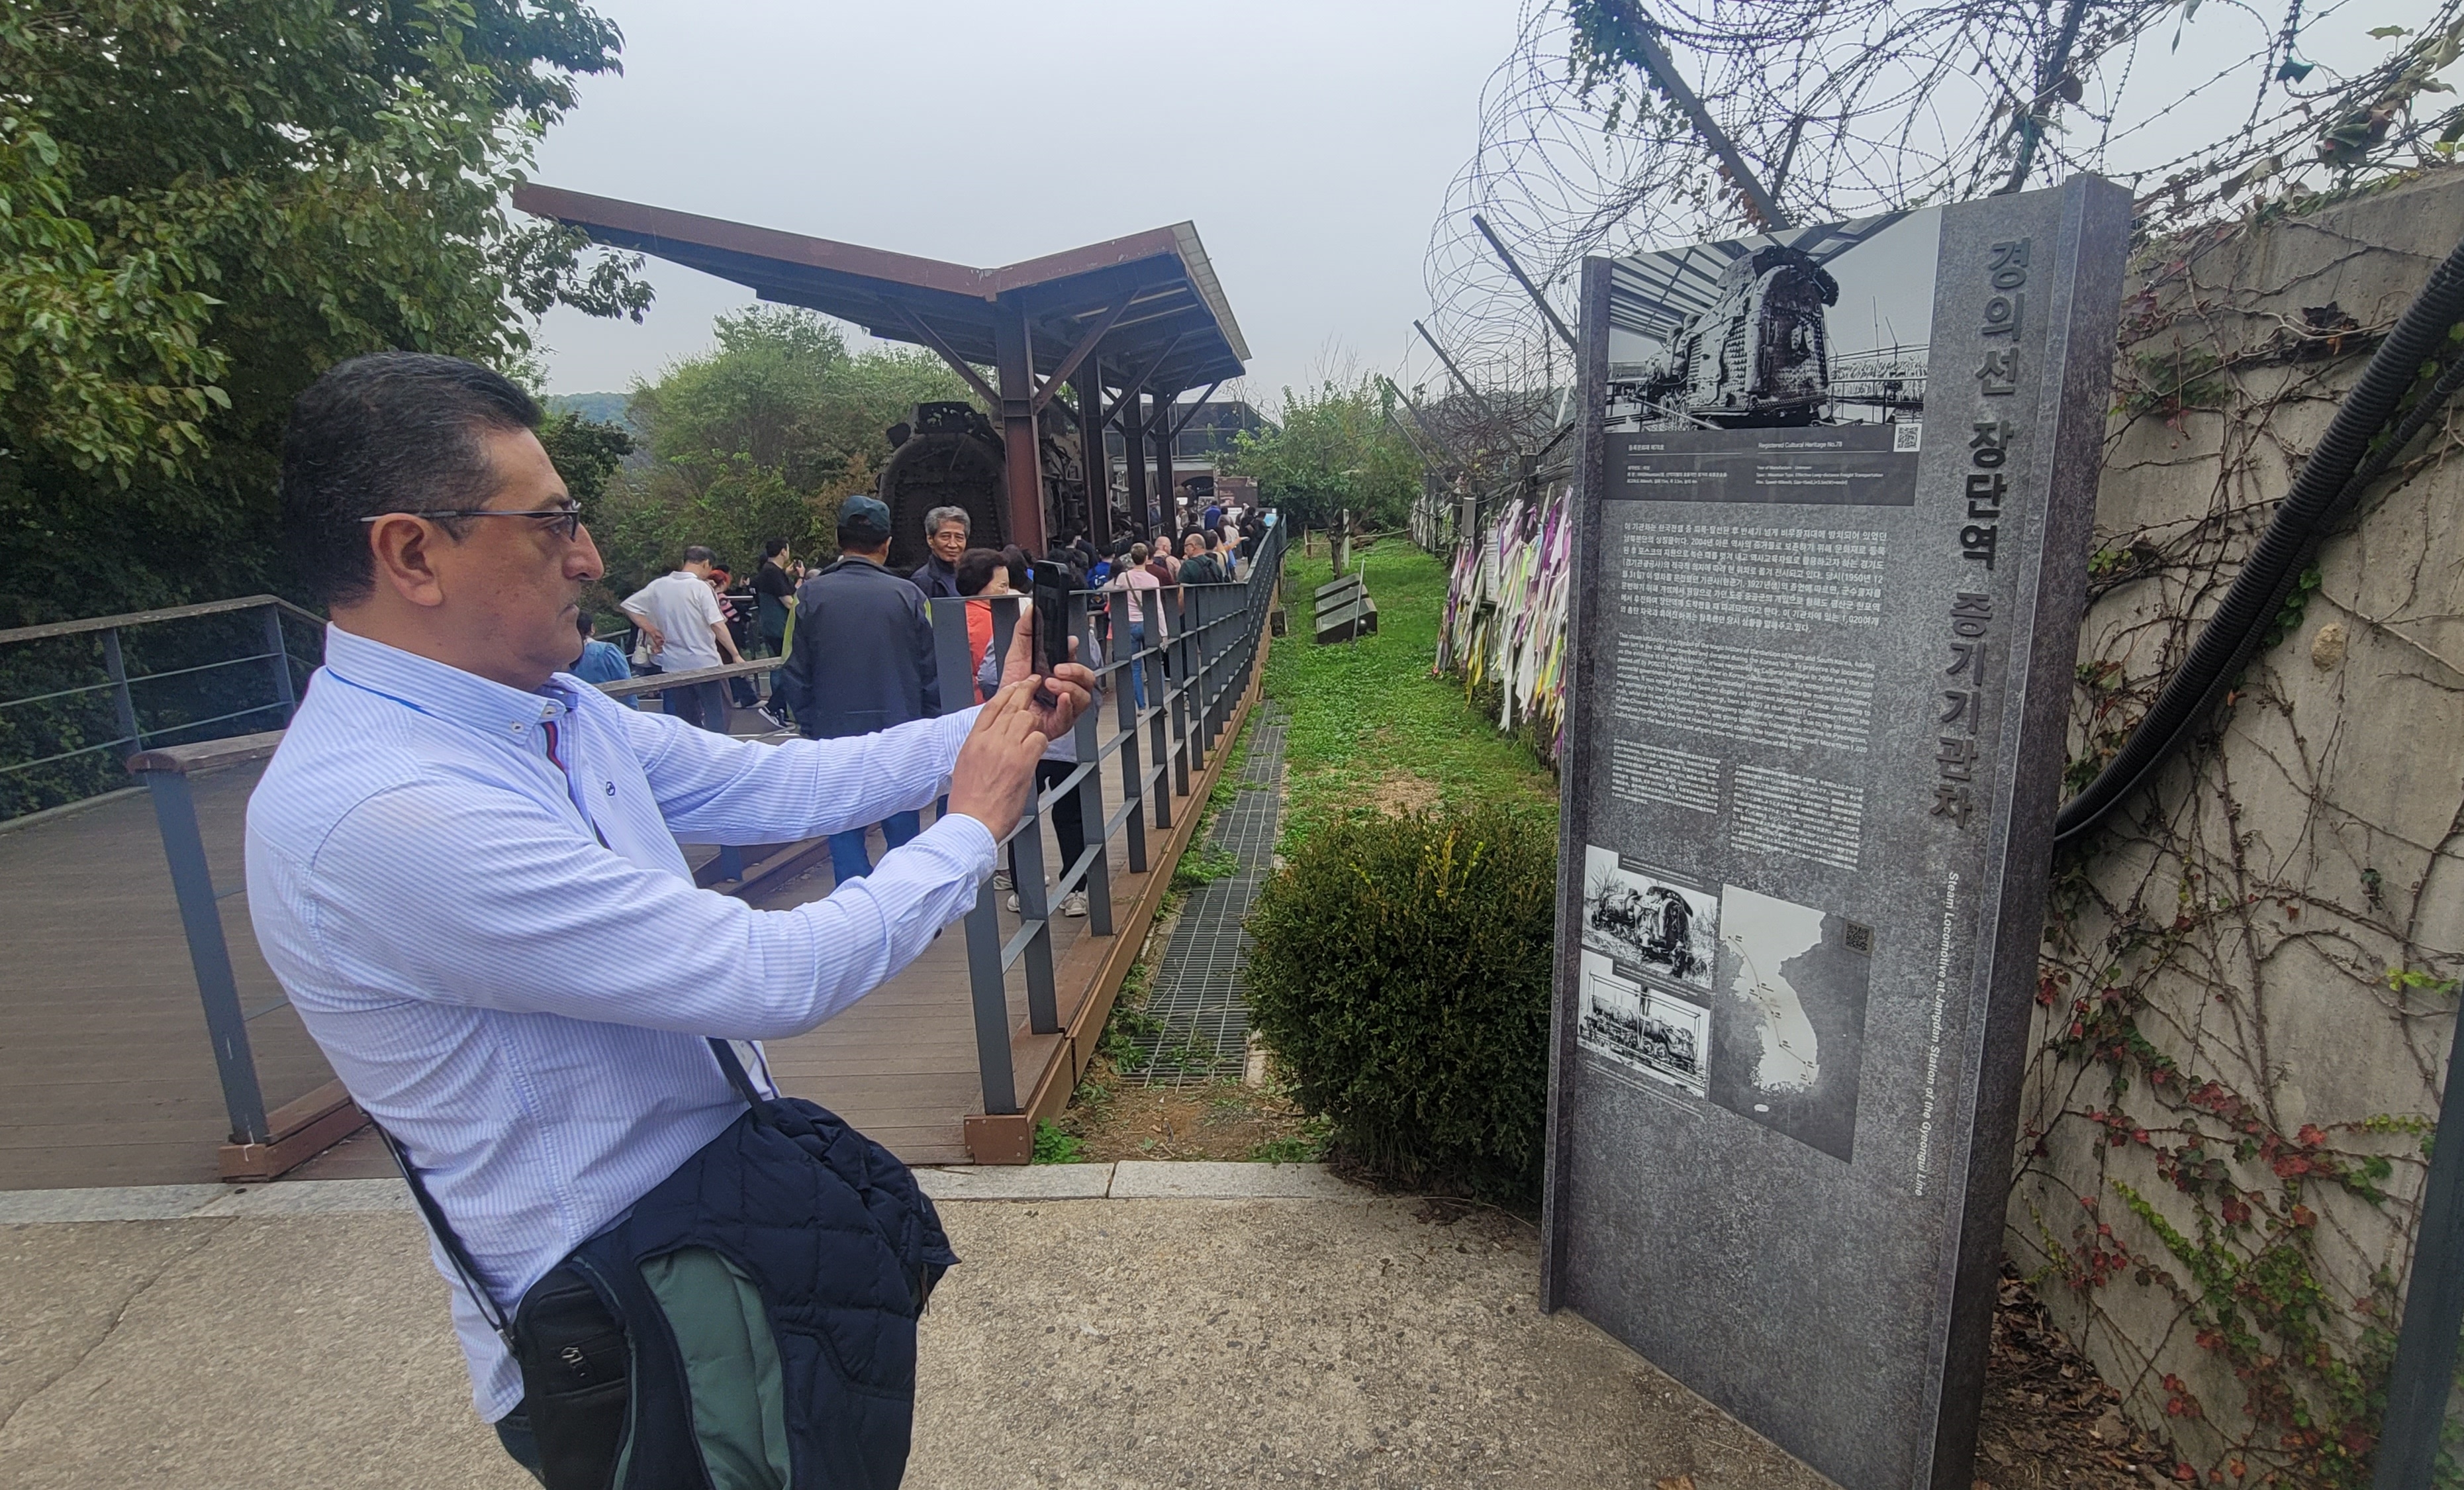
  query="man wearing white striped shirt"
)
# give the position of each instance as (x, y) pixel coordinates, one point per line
(462, 862)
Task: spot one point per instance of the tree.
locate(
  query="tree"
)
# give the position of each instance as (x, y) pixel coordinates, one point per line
(761, 438)
(1335, 452)
(587, 452)
(204, 204)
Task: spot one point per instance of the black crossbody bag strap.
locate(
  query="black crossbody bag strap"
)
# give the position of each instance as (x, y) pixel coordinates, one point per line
(734, 1069)
(450, 1238)
(452, 1241)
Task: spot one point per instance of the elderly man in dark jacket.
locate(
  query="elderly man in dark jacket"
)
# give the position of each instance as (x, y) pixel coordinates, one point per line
(945, 535)
(862, 658)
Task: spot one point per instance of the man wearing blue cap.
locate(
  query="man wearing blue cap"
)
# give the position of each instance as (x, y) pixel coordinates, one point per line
(863, 659)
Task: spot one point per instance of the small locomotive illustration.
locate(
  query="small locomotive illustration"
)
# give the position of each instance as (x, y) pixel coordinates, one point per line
(1758, 356)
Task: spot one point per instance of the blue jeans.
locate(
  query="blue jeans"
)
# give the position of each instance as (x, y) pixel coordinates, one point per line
(849, 860)
(1137, 664)
(698, 703)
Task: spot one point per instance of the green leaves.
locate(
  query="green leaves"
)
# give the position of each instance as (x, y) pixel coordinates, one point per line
(1336, 452)
(100, 363)
(758, 439)
(1401, 974)
(205, 203)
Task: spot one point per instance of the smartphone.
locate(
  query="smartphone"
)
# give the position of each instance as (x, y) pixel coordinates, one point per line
(1049, 590)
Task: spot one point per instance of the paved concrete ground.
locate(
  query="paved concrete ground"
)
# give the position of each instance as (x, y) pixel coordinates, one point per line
(1116, 1342)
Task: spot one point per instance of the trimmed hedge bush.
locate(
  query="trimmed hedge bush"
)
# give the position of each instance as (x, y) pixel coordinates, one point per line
(1401, 977)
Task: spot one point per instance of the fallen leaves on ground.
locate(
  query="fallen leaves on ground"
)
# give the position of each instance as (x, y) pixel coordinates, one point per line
(2049, 1419)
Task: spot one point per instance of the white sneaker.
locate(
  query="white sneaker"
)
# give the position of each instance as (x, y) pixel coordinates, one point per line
(1074, 904)
(1013, 901)
(1000, 881)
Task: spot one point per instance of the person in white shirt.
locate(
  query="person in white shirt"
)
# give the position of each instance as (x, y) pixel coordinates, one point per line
(683, 628)
(463, 865)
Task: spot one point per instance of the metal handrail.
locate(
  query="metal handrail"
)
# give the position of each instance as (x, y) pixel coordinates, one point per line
(101, 623)
(1209, 633)
(1212, 645)
(130, 731)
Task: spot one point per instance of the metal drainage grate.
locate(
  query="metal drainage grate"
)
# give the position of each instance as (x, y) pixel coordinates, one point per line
(1199, 997)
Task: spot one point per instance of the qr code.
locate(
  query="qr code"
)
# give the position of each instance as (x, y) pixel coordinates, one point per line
(1859, 938)
(1908, 437)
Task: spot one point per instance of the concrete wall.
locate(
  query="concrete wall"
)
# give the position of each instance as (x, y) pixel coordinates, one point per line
(2248, 996)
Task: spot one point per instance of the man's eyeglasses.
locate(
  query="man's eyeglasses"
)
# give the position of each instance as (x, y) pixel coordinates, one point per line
(568, 517)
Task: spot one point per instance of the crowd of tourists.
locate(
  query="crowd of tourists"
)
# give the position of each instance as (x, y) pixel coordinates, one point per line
(868, 661)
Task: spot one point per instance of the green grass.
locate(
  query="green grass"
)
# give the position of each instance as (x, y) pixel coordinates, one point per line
(1370, 727)
(1202, 865)
(1307, 1147)
(1054, 1146)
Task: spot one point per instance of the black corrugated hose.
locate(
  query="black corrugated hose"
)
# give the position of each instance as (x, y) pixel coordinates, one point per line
(2330, 481)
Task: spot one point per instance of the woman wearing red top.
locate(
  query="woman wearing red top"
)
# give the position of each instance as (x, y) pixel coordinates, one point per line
(982, 574)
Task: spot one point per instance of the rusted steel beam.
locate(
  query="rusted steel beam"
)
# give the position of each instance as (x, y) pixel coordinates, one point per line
(957, 364)
(1089, 384)
(1137, 383)
(1132, 418)
(1182, 423)
(1159, 429)
(1078, 353)
(1022, 461)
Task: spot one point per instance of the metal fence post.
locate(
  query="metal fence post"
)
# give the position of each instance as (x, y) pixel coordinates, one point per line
(1026, 865)
(1182, 652)
(123, 707)
(1210, 644)
(1198, 742)
(1097, 881)
(175, 812)
(1156, 722)
(1125, 715)
(2422, 1376)
(282, 662)
(988, 991)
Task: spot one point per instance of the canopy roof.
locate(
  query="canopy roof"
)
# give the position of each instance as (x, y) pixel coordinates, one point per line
(1164, 322)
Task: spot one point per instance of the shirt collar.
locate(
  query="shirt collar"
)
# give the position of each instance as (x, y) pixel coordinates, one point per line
(439, 690)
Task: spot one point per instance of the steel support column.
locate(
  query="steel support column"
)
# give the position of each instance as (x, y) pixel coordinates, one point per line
(1022, 461)
(1133, 425)
(2422, 1379)
(1160, 432)
(1088, 384)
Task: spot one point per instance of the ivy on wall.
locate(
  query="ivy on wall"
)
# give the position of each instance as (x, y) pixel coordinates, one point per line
(2249, 978)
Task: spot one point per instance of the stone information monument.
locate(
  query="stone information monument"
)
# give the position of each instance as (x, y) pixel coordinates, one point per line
(1833, 511)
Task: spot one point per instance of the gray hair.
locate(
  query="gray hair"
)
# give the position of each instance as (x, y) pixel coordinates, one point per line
(940, 517)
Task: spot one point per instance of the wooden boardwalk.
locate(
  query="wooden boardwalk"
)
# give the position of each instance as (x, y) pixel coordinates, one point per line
(106, 1076)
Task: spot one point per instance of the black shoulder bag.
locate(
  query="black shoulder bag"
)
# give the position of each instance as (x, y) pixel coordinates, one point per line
(825, 1224)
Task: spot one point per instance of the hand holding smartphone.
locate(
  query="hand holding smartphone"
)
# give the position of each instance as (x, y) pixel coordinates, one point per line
(1048, 608)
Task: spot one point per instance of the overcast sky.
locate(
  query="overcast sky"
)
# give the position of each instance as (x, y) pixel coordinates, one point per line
(1312, 142)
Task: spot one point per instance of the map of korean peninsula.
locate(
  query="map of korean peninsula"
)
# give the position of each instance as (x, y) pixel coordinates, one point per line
(1789, 1026)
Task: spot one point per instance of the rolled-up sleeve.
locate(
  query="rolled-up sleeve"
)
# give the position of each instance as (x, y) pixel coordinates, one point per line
(517, 911)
